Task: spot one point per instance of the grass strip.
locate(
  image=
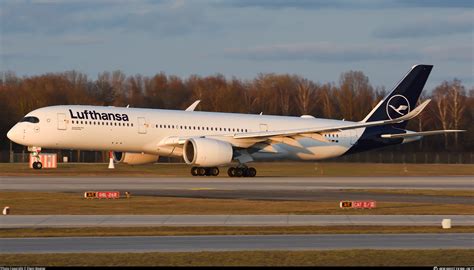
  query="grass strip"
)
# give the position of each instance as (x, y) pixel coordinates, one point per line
(44, 203)
(250, 258)
(222, 230)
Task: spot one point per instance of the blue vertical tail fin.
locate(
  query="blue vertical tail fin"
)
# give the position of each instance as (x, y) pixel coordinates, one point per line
(403, 97)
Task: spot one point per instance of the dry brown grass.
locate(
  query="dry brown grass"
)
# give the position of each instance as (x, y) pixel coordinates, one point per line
(224, 230)
(250, 258)
(40, 203)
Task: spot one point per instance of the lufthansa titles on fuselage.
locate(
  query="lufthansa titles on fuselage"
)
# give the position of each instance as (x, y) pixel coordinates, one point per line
(93, 115)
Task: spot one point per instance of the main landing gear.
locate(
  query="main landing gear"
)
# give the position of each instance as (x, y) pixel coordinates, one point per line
(242, 172)
(205, 171)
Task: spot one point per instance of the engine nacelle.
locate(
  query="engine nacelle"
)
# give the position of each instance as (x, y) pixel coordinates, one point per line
(207, 152)
(134, 158)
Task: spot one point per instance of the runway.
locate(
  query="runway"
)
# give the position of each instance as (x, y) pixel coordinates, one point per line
(265, 188)
(236, 243)
(257, 184)
(69, 221)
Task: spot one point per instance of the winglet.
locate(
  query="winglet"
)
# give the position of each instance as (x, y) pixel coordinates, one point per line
(193, 106)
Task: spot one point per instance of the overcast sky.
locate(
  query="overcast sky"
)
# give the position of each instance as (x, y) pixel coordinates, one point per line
(315, 39)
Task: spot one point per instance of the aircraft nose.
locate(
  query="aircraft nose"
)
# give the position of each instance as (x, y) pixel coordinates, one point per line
(14, 134)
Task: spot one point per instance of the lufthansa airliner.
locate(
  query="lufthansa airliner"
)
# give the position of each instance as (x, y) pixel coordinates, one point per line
(206, 140)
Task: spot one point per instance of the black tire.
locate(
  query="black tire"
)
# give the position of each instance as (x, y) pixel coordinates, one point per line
(201, 171)
(214, 171)
(239, 172)
(194, 171)
(231, 172)
(251, 172)
(37, 165)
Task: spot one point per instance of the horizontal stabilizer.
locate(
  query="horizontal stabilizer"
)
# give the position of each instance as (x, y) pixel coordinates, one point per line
(422, 133)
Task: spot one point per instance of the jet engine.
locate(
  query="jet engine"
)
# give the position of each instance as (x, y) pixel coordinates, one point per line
(207, 152)
(134, 158)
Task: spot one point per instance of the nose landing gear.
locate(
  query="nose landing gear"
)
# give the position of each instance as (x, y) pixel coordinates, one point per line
(35, 152)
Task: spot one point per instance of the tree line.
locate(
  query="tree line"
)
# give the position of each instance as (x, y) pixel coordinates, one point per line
(351, 98)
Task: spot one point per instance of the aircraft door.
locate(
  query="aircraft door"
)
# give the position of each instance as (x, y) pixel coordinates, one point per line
(263, 127)
(62, 121)
(142, 125)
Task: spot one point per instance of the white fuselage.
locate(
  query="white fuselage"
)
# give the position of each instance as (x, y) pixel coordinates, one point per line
(147, 130)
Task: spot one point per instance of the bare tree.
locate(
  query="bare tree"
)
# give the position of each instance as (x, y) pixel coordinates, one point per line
(441, 107)
(355, 95)
(457, 103)
(305, 97)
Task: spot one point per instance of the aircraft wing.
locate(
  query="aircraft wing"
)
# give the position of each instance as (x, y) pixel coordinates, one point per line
(292, 132)
(421, 133)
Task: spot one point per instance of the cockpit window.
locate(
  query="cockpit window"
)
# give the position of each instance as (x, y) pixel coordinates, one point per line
(31, 119)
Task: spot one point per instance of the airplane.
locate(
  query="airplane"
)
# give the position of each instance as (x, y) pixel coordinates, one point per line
(206, 140)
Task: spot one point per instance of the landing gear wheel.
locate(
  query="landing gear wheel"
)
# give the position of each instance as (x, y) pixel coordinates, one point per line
(231, 172)
(251, 172)
(194, 171)
(37, 165)
(214, 171)
(201, 171)
(239, 172)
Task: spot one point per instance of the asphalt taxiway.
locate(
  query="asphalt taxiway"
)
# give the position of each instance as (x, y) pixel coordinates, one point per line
(263, 188)
(33, 183)
(65, 221)
(236, 243)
